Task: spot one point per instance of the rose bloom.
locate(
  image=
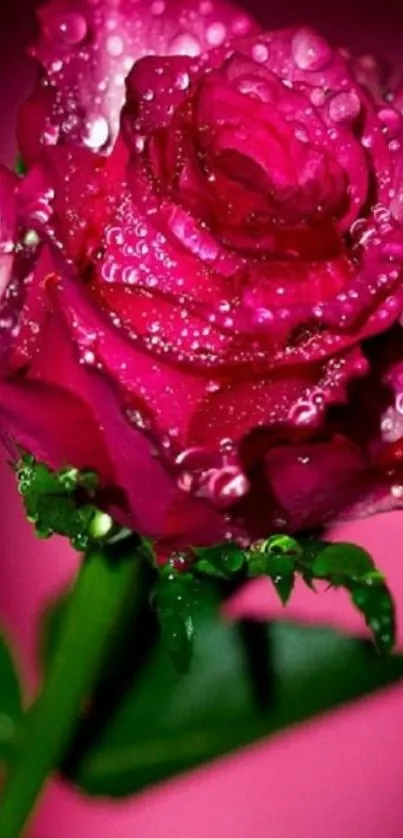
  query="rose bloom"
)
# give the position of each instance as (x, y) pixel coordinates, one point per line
(201, 274)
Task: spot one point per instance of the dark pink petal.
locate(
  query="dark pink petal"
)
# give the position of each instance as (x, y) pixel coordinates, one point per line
(69, 197)
(144, 493)
(370, 71)
(28, 311)
(51, 423)
(312, 483)
(151, 389)
(86, 49)
(289, 402)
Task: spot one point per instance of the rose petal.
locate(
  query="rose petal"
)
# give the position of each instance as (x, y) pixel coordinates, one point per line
(53, 424)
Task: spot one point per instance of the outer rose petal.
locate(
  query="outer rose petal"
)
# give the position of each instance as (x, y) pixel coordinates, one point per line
(143, 491)
(86, 49)
(322, 482)
(311, 483)
(53, 424)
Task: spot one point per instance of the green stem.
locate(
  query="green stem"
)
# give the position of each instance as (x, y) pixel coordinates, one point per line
(106, 578)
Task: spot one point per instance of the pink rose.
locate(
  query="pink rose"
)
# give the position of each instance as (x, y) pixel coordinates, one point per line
(196, 314)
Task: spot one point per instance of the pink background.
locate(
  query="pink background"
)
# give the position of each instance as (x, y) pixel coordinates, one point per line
(339, 776)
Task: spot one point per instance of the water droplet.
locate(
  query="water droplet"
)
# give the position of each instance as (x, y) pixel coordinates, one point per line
(213, 387)
(304, 413)
(182, 81)
(318, 96)
(344, 107)
(56, 66)
(260, 53)
(206, 7)
(392, 122)
(397, 491)
(6, 247)
(31, 238)
(228, 485)
(114, 46)
(216, 34)
(139, 143)
(70, 28)
(50, 135)
(310, 51)
(97, 133)
(101, 525)
(394, 145)
(88, 357)
(184, 44)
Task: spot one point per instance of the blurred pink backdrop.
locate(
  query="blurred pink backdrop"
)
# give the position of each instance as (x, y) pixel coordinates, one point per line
(339, 776)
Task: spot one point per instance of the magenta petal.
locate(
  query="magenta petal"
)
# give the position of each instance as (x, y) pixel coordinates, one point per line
(353, 468)
(86, 50)
(316, 483)
(51, 423)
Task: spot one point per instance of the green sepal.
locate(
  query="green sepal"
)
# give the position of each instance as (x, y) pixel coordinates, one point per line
(175, 597)
(62, 502)
(20, 167)
(221, 561)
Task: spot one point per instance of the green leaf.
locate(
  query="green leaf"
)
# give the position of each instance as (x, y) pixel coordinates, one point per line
(10, 702)
(166, 723)
(342, 561)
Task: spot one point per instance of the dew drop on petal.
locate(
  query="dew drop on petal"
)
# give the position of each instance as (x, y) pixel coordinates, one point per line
(310, 51)
(182, 81)
(344, 107)
(227, 485)
(391, 121)
(260, 53)
(184, 44)
(70, 28)
(97, 132)
(50, 135)
(318, 96)
(88, 357)
(139, 143)
(216, 34)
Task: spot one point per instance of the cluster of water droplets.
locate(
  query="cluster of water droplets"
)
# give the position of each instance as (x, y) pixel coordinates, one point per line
(88, 51)
(217, 477)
